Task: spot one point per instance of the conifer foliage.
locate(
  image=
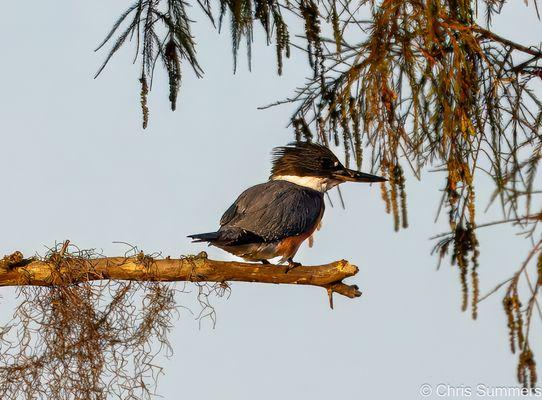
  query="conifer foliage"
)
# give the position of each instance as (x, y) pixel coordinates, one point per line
(401, 86)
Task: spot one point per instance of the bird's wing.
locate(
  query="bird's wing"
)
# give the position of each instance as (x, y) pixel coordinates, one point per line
(275, 210)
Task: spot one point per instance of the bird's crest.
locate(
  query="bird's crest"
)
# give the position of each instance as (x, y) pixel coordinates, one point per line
(303, 159)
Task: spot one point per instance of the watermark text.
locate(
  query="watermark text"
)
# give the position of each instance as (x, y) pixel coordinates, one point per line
(479, 390)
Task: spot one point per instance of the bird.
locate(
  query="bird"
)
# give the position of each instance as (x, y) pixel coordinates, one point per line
(272, 219)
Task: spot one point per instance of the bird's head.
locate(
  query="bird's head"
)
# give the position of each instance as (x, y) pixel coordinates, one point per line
(315, 166)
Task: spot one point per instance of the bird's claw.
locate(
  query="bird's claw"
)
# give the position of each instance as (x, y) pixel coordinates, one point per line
(291, 265)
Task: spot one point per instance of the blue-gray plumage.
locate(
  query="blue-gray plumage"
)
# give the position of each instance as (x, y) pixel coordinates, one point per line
(272, 219)
(275, 210)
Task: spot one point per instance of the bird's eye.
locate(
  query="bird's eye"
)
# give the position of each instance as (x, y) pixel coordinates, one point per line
(330, 164)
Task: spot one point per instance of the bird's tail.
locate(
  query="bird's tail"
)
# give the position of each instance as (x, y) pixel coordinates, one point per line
(205, 237)
(227, 237)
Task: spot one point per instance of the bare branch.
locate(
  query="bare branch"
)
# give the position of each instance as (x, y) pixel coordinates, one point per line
(192, 269)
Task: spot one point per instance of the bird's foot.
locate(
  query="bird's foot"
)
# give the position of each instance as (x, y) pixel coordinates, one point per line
(265, 262)
(291, 265)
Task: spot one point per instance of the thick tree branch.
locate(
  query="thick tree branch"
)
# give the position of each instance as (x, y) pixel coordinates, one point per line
(59, 269)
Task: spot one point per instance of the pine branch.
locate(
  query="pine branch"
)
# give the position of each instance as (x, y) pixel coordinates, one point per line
(517, 46)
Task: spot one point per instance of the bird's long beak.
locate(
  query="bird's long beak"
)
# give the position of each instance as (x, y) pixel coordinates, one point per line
(350, 175)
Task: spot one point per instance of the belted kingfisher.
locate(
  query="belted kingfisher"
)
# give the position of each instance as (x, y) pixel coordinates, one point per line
(272, 219)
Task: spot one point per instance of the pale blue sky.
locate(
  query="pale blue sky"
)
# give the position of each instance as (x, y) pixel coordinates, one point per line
(76, 164)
